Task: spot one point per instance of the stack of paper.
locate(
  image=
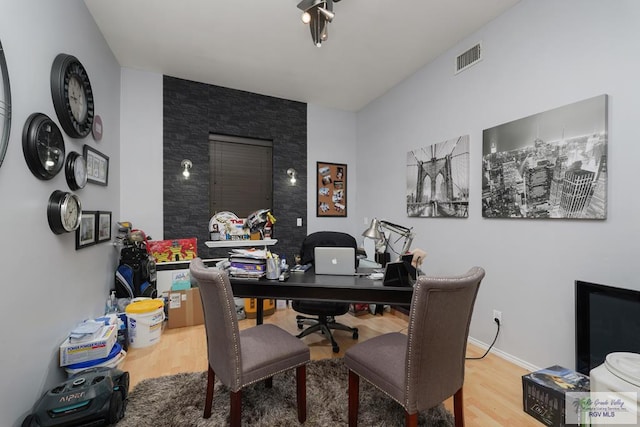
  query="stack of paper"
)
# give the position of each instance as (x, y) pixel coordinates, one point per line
(86, 331)
(250, 263)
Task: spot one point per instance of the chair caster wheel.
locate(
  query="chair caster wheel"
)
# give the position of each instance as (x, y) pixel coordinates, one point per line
(355, 335)
(336, 349)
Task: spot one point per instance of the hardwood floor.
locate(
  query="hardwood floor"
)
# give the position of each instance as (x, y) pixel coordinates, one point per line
(492, 389)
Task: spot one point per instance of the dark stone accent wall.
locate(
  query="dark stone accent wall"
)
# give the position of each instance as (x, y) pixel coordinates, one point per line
(193, 111)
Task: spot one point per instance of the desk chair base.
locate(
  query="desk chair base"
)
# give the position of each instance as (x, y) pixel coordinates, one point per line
(324, 324)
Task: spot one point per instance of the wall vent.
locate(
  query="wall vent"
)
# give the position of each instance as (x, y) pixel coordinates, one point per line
(468, 58)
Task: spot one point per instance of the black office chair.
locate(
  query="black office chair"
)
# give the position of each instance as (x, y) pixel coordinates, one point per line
(325, 312)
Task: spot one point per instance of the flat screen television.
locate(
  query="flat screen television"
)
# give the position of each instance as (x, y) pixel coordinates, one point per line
(607, 321)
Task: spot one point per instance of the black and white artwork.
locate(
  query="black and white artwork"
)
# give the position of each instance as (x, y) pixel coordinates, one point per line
(438, 179)
(548, 165)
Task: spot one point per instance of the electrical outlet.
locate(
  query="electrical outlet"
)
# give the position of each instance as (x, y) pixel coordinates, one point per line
(497, 315)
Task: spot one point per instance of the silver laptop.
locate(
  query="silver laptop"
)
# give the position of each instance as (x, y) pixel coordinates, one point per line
(335, 260)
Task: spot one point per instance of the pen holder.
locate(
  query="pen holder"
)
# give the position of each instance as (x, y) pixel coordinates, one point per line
(273, 269)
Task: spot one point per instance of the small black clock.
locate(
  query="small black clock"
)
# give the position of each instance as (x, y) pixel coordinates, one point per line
(64, 212)
(75, 170)
(72, 95)
(43, 146)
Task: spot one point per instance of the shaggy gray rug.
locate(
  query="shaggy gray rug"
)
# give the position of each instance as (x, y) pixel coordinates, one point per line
(178, 400)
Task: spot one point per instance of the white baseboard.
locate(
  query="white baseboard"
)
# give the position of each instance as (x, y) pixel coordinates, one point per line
(506, 356)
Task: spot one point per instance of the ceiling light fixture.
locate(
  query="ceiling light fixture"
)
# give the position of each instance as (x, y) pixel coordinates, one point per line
(318, 14)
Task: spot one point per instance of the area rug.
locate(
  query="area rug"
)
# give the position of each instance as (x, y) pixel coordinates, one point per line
(178, 400)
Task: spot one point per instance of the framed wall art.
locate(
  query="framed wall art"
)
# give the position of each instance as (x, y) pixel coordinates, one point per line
(86, 233)
(103, 228)
(548, 165)
(438, 179)
(97, 166)
(331, 191)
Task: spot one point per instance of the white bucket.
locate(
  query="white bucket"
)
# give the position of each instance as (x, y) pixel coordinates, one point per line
(144, 321)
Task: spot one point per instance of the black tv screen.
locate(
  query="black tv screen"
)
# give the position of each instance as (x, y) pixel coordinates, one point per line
(607, 321)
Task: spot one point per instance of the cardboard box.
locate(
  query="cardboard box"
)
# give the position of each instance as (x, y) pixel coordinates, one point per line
(97, 348)
(543, 393)
(185, 308)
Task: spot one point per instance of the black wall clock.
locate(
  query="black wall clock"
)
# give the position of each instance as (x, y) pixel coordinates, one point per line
(64, 212)
(5, 106)
(75, 170)
(43, 146)
(72, 95)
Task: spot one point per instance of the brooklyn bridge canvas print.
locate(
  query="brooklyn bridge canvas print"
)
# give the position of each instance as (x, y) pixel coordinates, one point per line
(548, 165)
(438, 179)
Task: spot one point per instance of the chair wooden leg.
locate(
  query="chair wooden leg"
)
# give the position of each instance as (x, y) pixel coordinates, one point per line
(354, 398)
(301, 392)
(236, 408)
(268, 383)
(458, 410)
(411, 420)
(208, 400)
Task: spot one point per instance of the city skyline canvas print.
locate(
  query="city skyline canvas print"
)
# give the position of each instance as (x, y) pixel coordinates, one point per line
(548, 165)
(438, 179)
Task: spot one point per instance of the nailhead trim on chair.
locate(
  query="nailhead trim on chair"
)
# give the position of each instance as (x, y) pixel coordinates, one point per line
(236, 344)
(412, 321)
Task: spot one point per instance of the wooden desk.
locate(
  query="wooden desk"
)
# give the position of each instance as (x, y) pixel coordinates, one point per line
(309, 286)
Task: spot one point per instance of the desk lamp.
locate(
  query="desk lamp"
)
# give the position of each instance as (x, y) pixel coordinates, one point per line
(375, 232)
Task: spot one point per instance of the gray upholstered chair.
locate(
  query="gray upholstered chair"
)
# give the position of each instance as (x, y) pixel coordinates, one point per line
(425, 367)
(240, 358)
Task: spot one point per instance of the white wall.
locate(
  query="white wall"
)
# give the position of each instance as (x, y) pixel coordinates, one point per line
(47, 285)
(540, 55)
(331, 137)
(141, 141)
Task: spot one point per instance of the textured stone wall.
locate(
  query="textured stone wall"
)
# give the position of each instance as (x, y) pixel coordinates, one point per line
(193, 111)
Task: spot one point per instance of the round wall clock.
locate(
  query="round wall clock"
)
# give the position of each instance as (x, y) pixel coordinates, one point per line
(43, 146)
(5, 106)
(64, 212)
(75, 170)
(72, 95)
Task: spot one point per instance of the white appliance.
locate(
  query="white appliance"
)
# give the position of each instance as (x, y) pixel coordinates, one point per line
(620, 372)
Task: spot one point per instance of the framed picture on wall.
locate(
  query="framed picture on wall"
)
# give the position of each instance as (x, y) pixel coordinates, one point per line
(97, 166)
(86, 233)
(103, 229)
(331, 189)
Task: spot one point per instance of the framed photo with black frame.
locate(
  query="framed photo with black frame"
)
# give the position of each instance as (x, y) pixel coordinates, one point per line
(103, 227)
(86, 233)
(331, 191)
(97, 166)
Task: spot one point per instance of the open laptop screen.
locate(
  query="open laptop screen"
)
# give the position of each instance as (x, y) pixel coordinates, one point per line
(335, 260)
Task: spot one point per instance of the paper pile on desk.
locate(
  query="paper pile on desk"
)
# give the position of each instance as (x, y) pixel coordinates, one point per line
(251, 263)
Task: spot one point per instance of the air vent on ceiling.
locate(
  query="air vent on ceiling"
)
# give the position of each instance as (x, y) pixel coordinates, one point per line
(468, 58)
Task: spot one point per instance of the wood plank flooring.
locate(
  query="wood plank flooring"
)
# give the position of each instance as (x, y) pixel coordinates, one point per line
(492, 389)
